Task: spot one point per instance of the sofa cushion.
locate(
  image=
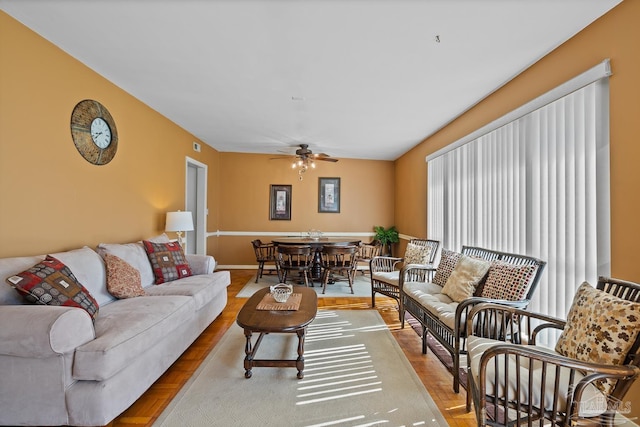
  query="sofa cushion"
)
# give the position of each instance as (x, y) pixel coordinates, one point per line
(507, 281)
(417, 254)
(126, 330)
(431, 299)
(448, 261)
(594, 402)
(465, 277)
(600, 328)
(51, 282)
(167, 261)
(203, 288)
(123, 281)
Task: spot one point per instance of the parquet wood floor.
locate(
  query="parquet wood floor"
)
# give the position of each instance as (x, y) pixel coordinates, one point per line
(434, 376)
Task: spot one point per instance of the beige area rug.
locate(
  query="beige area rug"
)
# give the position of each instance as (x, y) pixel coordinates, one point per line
(361, 286)
(355, 375)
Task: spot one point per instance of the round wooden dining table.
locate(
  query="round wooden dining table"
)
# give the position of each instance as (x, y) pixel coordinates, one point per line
(316, 244)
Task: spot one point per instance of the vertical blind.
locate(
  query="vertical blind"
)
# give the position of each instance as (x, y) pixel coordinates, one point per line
(536, 185)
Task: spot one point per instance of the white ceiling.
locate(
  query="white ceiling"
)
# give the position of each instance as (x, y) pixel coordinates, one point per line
(360, 79)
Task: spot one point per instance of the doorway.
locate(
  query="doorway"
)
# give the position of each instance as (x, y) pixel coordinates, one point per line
(196, 203)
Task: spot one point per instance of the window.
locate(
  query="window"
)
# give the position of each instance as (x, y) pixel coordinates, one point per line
(535, 182)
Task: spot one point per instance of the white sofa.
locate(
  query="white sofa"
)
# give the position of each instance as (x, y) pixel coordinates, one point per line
(59, 367)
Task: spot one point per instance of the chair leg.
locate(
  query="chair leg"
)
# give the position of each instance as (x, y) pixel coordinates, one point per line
(468, 407)
(456, 372)
(373, 295)
(306, 278)
(350, 276)
(259, 273)
(424, 340)
(325, 279)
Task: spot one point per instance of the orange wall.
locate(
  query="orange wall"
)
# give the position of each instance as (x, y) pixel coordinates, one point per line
(366, 194)
(614, 36)
(51, 199)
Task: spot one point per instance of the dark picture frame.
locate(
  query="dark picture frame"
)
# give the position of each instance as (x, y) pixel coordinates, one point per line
(329, 195)
(280, 202)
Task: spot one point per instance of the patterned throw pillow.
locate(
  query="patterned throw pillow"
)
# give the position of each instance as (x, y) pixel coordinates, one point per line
(417, 254)
(123, 281)
(465, 277)
(600, 328)
(50, 282)
(167, 261)
(508, 281)
(448, 261)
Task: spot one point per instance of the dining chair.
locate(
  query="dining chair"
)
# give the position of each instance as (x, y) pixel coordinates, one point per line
(366, 252)
(340, 260)
(265, 252)
(297, 259)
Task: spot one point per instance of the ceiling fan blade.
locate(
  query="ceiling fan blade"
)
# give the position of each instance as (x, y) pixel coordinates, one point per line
(326, 159)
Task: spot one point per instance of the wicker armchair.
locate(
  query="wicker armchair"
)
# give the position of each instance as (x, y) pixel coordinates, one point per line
(265, 252)
(536, 383)
(386, 277)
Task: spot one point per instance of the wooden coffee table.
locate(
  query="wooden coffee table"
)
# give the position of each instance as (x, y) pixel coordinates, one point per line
(276, 321)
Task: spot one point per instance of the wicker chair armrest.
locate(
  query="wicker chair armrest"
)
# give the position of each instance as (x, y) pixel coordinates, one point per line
(384, 264)
(416, 273)
(485, 313)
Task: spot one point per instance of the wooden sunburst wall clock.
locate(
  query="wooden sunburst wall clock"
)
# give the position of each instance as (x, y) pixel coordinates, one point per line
(94, 132)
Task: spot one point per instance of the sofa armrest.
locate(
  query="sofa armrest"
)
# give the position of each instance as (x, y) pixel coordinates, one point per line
(201, 264)
(40, 331)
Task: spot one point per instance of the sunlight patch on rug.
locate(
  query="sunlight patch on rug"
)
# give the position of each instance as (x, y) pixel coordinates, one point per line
(355, 375)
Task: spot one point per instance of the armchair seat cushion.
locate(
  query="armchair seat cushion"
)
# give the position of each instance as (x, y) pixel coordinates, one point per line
(593, 403)
(392, 277)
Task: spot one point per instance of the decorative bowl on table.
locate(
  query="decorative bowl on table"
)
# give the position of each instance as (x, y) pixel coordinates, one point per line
(314, 234)
(281, 292)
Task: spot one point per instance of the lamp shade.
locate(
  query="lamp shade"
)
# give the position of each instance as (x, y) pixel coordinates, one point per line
(179, 221)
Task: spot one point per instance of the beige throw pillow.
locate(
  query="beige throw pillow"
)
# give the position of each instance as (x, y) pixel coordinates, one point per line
(465, 277)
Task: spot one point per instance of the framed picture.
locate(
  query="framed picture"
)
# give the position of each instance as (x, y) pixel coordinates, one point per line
(280, 202)
(329, 195)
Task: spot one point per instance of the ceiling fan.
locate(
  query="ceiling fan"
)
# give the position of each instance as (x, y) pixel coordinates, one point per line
(304, 159)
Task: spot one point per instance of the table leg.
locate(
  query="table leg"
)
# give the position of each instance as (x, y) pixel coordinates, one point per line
(300, 360)
(248, 359)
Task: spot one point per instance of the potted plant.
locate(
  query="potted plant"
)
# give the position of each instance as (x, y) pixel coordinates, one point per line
(387, 237)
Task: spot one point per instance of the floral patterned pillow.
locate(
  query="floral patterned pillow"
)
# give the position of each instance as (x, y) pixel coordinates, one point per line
(417, 254)
(507, 281)
(51, 282)
(600, 328)
(123, 281)
(448, 261)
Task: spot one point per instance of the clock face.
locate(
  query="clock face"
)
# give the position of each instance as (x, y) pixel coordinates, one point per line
(100, 132)
(94, 132)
